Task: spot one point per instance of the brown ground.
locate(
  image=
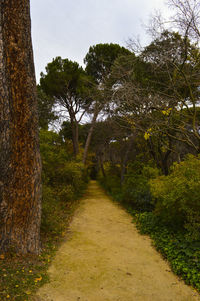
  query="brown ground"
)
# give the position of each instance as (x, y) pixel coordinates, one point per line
(105, 259)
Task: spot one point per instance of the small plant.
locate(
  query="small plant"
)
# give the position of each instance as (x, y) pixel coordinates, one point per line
(183, 256)
(136, 189)
(177, 197)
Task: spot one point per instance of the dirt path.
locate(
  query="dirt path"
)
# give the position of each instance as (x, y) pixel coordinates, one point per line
(105, 259)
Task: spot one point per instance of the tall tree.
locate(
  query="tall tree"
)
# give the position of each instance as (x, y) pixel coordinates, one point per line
(68, 84)
(158, 92)
(99, 61)
(20, 167)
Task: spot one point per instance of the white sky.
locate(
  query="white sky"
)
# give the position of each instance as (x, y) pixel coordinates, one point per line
(67, 28)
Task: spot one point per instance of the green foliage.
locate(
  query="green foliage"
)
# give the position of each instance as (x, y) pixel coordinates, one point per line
(70, 87)
(111, 182)
(136, 189)
(20, 276)
(174, 225)
(177, 196)
(59, 170)
(134, 192)
(54, 156)
(63, 181)
(45, 109)
(128, 67)
(183, 256)
(73, 174)
(66, 131)
(167, 51)
(100, 59)
(64, 79)
(52, 206)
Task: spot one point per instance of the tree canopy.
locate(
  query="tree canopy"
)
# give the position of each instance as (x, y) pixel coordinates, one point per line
(100, 58)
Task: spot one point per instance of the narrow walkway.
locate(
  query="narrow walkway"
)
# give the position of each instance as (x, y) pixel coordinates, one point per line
(105, 259)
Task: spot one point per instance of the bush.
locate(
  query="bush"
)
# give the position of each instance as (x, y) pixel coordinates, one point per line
(134, 192)
(66, 193)
(64, 181)
(111, 182)
(135, 189)
(177, 196)
(60, 171)
(72, 173)
(183, 256)
(51, 207)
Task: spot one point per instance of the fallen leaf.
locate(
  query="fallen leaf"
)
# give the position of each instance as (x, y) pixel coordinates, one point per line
(38, 279)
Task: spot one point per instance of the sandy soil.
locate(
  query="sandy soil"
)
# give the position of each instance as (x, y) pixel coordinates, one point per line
(105, 259)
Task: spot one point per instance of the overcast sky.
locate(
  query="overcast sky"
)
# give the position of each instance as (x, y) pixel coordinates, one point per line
(67, 28)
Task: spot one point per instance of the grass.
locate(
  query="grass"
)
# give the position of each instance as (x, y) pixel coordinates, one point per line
(21, 276)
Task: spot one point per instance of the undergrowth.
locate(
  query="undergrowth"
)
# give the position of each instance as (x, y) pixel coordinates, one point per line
(64, 181)
(183, 255)
(21, 276)
(167, 209)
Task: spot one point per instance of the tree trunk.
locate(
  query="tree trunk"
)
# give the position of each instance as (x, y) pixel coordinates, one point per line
(20, 165)
(164, 161)
(154, 154)
(75, 136)
(89, 137)
(101, 165)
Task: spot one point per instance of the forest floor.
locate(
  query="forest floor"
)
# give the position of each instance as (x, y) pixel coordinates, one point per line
(104, 258)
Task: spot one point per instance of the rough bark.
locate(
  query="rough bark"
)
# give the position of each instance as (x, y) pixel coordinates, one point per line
(20, 165)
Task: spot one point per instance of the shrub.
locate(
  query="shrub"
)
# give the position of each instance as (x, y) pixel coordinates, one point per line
(177, 196)
(63, 182)
(111, 182)
(50, 207)
(183, 256)
(66, 193)
(136, 190)
(72, 173)
(60, 171)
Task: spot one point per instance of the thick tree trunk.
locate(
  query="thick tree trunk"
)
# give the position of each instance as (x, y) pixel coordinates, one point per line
(89, 137)
(20, 166)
